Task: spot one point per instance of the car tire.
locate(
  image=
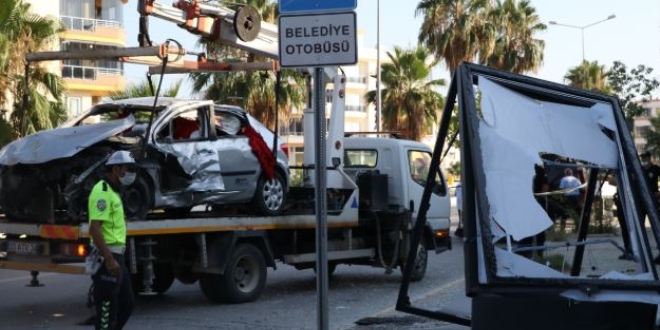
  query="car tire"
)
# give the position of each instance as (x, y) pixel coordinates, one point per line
(138, 199)
(243, 280)
(270, 196)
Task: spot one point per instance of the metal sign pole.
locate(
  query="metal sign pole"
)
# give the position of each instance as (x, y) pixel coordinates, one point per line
(321, 206)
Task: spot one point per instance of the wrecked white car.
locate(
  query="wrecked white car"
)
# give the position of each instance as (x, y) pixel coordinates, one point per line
(193, 152)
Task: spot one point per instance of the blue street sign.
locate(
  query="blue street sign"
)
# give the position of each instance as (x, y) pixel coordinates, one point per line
(316, 6)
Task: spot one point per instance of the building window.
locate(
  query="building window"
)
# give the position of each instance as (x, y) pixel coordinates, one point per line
(295, 126)
(73, 105)
(296, 156)
(89, 69)
(641, 131)
(108, 10)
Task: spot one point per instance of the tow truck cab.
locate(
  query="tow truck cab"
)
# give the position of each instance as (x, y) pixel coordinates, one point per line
(397, 169)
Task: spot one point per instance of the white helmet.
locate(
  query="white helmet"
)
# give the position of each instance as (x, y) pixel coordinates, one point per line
(121, 157)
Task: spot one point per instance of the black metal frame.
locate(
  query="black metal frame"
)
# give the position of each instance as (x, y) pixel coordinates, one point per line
(475, 205)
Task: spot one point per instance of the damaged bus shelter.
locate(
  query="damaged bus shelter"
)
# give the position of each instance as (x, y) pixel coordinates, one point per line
(509, 125)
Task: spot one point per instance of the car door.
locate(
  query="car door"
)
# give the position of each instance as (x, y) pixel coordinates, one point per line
(240, 166)
(184, 134)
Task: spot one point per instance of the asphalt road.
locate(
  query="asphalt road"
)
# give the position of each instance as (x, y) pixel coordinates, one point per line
(357, 294)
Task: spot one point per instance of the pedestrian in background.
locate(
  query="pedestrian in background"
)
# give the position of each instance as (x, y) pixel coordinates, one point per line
(113, 295)
(539, 185)
(571, 196)
(651, 174)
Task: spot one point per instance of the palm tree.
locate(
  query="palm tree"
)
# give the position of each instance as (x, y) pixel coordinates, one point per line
(22, 32)
(409, 100)
(589, 75)
(455, 30)
(143, 89)
(515, 48)
(254, 91)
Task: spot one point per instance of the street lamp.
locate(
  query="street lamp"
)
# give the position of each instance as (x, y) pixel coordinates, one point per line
(582, 28)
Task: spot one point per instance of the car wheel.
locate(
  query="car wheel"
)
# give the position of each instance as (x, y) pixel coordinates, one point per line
(138, 199)
(270, 195)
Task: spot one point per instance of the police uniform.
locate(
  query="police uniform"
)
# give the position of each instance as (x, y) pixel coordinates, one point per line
(113, 296)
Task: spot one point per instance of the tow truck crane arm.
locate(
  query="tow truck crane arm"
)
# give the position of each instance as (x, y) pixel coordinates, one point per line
(242, 28)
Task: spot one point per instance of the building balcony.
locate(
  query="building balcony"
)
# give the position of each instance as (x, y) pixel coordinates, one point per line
(97, 81)
(95, 30)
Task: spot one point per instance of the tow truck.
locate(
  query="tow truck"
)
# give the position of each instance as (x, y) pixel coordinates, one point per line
(369, 222)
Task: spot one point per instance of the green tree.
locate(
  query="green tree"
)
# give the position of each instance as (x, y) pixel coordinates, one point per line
(455, 169)
(254, 91)
(515, 49)
(143, 89)
(589, 75)
(23, 32)
(455, 30)
(409, 100)
(633, 87)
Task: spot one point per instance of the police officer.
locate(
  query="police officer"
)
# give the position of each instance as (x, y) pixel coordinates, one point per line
(113, 295)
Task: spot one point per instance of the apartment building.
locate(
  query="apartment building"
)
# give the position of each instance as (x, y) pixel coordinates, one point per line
(92, 24)
(642, 123)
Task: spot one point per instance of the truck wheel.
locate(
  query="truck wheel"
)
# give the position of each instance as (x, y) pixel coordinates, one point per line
(244, 278)
(421, 261)
(269, 198)
(138, 199)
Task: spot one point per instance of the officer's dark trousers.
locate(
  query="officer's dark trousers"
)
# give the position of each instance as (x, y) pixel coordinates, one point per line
(113, 297)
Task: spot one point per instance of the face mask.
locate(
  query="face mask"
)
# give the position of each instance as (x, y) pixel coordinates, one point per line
(128, 178)
(645, 164)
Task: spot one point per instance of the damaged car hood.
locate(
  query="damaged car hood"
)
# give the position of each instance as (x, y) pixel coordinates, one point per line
(57, 143)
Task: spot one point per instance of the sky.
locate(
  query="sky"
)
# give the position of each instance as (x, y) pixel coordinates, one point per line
(632, 37)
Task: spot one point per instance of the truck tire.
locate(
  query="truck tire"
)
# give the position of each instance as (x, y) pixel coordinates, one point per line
(421, 261)
(270, 196)
(244, 278)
